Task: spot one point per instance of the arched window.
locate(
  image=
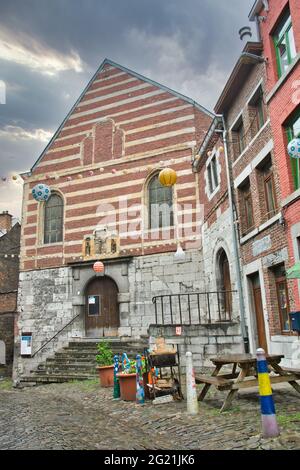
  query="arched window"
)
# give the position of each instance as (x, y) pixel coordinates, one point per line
(53, 220)
(160, 204)
(224, 284)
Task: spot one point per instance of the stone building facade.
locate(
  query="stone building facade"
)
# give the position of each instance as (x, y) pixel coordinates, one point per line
(279, 29)
(9, 277)
(102, 166)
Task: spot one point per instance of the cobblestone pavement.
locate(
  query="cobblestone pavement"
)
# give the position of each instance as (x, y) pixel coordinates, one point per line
(81, 415)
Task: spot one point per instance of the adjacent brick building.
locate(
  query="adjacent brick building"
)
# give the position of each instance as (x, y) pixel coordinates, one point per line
(9, 277)
(278, 24)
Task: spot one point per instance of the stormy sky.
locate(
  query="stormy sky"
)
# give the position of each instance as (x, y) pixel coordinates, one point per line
(50, 49)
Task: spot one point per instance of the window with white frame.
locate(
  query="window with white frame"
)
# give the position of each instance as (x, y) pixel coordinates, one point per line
(212, 174)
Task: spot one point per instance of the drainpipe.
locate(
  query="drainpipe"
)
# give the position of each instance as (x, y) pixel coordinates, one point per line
(235, 238)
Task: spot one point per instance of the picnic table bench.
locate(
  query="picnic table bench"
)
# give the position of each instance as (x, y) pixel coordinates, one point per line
(245, 377)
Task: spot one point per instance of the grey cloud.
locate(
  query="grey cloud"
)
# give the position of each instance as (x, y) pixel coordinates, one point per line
(190, 46)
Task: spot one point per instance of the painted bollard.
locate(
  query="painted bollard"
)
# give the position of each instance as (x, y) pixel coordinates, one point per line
(116, 380)
(191, 393)
(140, 392)
(268, 414)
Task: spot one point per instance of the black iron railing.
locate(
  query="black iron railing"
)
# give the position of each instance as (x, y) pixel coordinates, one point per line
(194, 308)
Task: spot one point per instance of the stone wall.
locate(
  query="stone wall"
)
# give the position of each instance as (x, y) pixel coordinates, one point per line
(155, 275)
(204, 341)
(44, 307)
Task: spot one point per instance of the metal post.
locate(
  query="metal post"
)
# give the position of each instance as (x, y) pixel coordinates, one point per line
(268, 414)
(191, 393)
(189, 305)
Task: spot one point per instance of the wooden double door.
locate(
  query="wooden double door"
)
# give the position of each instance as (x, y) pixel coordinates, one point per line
(102, 308)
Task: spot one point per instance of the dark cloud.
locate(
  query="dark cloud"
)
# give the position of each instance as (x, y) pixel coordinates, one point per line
(190, 46)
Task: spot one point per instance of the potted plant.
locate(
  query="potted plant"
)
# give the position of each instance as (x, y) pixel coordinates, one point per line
(127, 379)
(105, 367)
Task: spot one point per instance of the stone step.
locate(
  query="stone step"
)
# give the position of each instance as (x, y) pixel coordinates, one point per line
(90, 355)
(73, 365)
(67, 373)
(71, 359)
(77, 361)
(56, 378)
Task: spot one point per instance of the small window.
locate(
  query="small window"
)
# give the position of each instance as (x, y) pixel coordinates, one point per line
(94, 306)
(293, 130)
(284, 44)
(53, 220)
(247, 208)
(282, 298)
(269, 188)
(212, 172)
(238, 138)
(257, 111)
(160, 207)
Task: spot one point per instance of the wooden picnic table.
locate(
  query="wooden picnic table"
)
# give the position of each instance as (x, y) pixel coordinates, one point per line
(244, 375)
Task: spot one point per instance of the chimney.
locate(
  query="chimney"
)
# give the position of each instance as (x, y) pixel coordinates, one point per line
(5, 221)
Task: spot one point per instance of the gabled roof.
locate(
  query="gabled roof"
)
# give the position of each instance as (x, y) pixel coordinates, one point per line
(131, 72)
(251, 55)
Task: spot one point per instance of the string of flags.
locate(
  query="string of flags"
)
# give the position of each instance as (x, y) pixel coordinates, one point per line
(18, 179)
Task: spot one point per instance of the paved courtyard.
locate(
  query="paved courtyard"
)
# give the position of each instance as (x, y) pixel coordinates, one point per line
(81, 415)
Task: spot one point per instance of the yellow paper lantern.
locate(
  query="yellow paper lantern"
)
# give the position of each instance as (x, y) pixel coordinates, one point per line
(221, 149)
(167, 177)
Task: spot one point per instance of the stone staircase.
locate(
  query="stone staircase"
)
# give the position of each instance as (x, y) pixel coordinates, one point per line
(77, 360)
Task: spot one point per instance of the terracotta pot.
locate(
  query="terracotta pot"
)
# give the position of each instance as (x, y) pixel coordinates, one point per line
(106, 376)
(127, 386)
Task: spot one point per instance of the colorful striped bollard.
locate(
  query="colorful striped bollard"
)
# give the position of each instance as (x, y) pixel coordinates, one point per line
(116, 380)
(268, 414)
(140, 392)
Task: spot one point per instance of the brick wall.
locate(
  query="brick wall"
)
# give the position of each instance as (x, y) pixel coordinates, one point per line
(9, 275)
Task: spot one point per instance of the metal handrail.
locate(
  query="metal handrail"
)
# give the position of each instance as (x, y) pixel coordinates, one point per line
(56, 334)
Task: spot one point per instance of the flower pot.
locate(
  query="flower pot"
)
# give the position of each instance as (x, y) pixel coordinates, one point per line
(127, 386)
(106, 375)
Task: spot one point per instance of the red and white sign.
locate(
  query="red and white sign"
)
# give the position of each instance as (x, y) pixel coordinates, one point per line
(178, 330)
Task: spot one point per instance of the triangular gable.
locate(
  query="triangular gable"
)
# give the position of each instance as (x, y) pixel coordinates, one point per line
(130, 72)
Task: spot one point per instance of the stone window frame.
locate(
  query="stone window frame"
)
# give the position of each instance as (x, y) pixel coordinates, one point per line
(209, 190)
(41, 220)
(265, 170)
(253, 103)
(245, 194)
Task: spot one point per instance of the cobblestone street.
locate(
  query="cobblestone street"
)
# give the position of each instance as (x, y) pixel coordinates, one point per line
(81, 415)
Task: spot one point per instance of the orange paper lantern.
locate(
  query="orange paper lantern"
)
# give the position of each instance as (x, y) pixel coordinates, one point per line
(98, 267)
(167, 177)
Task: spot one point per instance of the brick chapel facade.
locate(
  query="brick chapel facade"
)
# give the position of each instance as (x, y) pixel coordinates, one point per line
(102, 168)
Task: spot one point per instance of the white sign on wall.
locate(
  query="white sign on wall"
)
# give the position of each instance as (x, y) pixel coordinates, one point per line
(26, 344)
